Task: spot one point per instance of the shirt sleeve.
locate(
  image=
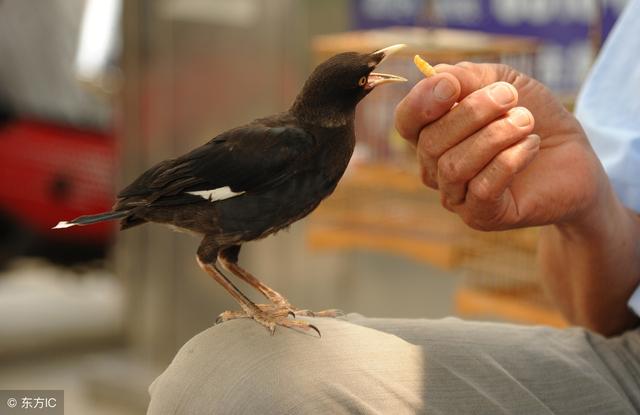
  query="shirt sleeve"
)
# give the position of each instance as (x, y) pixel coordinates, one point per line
(608, 108)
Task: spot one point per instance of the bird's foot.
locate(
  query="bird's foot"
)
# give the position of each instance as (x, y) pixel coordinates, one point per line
(266, 308)
(282, 303)
(270, 316)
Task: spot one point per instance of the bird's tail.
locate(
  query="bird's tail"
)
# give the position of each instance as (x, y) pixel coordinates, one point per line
(91, 219)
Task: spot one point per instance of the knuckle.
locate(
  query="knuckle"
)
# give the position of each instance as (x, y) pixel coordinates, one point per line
(506, 73)
(400, 123)
(428, 114)
(466, 64)
(408, 116)
(444, 201)
(493, 136)
(427, 178)
(427, 146)
(506, 166)
(502, 69)
(471, 220)
(480, 190)
(414, 112)
(473, 109)
(498, 135)
(448, 169)
(401, 128)
(481, 223)
(478, 225)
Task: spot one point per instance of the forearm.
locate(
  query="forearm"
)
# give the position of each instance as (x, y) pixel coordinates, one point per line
(591, 265)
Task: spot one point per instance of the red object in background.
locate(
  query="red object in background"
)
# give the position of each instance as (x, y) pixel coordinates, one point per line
(50, 172)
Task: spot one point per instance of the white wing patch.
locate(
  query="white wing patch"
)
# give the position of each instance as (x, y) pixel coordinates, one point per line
(63, 224)
(213, 195)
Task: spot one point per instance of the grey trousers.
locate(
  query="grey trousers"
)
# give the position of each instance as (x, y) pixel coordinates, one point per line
(391, 366)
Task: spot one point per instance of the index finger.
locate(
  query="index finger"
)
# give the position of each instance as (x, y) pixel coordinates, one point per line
(427, 101)
(474, 76)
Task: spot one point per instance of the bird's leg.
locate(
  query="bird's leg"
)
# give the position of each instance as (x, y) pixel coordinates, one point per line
(267, 315)
(228, 257)
(229, 260)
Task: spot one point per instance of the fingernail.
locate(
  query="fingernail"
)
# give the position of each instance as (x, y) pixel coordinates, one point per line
(520, 117)
(532, 141)
(444, 90)
(502, 93)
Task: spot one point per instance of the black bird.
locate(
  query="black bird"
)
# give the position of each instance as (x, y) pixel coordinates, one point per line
(254, 180)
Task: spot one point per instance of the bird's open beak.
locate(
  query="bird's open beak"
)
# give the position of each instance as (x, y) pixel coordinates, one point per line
(374, 79)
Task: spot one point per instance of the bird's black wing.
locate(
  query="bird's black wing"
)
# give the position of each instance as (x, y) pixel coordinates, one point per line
(245, 159)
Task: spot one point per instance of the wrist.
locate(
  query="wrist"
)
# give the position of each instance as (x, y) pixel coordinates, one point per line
(598, 216)
(590, 263)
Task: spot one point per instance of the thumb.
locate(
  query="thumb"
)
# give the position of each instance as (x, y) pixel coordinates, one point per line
(427, 101)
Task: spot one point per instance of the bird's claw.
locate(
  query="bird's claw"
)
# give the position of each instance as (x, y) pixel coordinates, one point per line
(270, 316)
(230, 315)
(297, 312)
(316, 329)
(295, 324)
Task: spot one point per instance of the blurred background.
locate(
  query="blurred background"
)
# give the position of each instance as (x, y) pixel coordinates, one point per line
(93, 92)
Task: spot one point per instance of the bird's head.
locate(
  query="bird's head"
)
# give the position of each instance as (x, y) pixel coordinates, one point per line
(332, 91)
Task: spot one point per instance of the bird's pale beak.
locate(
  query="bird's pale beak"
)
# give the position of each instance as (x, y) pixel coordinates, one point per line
(374, 79)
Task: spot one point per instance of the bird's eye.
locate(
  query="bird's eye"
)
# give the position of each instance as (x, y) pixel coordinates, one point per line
(362, 81)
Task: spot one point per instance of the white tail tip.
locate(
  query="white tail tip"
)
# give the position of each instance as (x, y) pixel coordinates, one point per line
(63, 224)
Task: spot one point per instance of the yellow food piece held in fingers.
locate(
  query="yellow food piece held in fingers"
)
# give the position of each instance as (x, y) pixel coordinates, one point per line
(424, 67)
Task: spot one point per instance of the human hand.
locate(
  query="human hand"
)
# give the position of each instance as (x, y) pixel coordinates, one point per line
(492, 163)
